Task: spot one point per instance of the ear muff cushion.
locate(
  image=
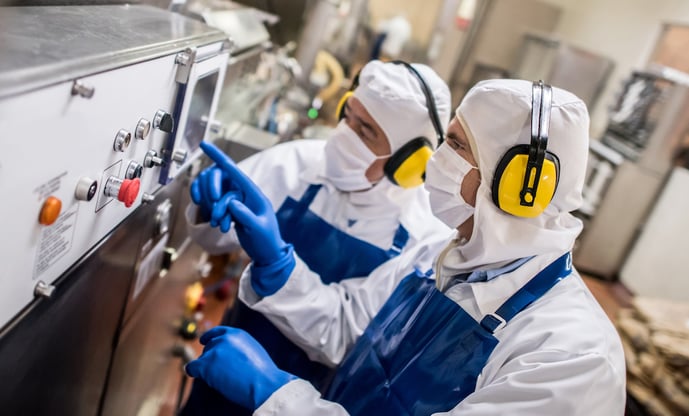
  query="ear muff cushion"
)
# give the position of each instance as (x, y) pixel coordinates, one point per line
(407, 166)
(509, 178)
(341, 105)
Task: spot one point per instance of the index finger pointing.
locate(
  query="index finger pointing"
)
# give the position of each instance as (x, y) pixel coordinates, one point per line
(227, 164)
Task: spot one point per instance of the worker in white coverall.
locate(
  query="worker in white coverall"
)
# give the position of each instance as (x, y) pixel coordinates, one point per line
(346, 205)
(502, 325)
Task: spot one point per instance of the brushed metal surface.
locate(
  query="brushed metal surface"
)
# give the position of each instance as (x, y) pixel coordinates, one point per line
(42, 46)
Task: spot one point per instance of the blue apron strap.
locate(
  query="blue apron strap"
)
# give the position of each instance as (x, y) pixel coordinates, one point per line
(399, 241)
(309, 195)
(532, 290)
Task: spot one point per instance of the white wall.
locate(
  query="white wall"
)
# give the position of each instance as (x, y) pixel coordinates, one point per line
(421, 15)
(624, 30)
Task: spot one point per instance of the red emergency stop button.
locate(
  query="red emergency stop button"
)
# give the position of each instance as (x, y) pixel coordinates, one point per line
(125, 190)
(129, 190)
(50, 211)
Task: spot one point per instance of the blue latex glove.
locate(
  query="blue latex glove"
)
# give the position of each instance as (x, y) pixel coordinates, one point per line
(255, 222)
(206, 190)
(238, 367)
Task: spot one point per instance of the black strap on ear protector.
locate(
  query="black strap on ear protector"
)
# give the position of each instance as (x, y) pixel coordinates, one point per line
(430, 101)
(541, 102)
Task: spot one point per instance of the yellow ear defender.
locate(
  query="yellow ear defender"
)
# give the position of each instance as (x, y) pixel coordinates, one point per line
(341, 105)
(526, 177)
(407, 166)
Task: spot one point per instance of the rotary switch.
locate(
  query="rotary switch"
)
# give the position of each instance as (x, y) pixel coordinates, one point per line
(125, 190)
(163, 121)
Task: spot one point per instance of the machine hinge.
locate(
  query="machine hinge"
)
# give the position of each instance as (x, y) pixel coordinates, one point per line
(184, 60)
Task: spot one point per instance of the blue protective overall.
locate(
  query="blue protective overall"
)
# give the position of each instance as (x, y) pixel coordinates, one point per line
(422, 353)
(331, 253)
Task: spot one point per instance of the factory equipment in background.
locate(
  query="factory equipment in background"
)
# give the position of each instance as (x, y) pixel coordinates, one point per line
(102, 110)
(629, 167)
(490, 44)
(566, 66)
(273, 93)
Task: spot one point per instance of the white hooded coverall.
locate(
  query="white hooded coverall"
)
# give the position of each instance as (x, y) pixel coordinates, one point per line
(559, 356)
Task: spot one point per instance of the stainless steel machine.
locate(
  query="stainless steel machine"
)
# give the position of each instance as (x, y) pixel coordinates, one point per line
(102, 109)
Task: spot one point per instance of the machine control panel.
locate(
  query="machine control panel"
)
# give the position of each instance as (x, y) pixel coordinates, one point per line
(81, 187)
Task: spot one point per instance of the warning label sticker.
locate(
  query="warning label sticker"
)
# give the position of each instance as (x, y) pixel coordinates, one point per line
(55, 241)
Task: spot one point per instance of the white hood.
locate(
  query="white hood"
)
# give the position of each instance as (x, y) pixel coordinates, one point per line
(393, 97)
(496, 115)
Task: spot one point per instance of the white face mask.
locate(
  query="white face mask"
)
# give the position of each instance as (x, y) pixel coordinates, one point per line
(445, 172)
(347, 159)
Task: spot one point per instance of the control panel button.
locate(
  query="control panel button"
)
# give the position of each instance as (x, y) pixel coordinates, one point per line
(163, 121)
(122, 140)
(134, 170)
(143, 127)
(179, 156)
(129, 191)
(152, 159)
(125, 190)
(86, 189)
(50, 211)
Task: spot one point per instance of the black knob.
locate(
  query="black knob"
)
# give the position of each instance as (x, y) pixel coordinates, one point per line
(163, 121)
(167, 123)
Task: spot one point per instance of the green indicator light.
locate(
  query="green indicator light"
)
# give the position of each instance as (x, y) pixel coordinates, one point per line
(312, 113)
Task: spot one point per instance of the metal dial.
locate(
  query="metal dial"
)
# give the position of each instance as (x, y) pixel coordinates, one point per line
(143, 127)
(122, 140)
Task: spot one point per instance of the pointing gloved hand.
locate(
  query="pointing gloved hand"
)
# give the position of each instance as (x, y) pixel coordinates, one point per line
(206, 190)
(238, 367)
(232, 196)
